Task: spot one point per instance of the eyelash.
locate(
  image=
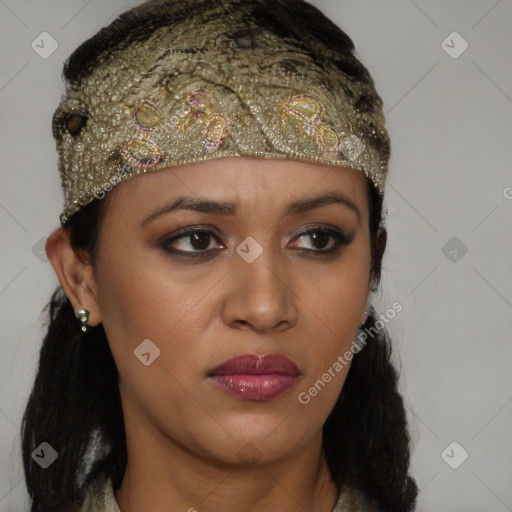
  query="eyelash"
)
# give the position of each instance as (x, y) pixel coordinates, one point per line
(340, 239)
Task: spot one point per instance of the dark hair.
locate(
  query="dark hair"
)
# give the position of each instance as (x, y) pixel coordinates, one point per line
(75, 403)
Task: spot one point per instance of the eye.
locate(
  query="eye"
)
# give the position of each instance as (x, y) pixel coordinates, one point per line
(319, 239)
(200, 241)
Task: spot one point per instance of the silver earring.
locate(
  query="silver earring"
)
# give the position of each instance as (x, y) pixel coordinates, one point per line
(366, 318)
(83, 316)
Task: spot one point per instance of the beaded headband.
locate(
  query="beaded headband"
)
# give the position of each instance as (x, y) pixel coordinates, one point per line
(214, 85)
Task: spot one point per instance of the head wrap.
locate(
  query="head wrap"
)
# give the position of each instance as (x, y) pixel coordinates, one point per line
(214, 84)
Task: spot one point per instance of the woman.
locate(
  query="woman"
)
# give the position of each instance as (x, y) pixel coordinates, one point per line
(212, 345)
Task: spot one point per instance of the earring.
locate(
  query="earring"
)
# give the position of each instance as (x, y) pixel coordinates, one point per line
(83, 316)
(364, 321)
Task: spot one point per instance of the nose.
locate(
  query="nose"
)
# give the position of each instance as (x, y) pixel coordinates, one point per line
(261, 295)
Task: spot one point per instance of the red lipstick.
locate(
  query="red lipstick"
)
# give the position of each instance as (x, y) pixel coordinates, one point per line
(255, 378)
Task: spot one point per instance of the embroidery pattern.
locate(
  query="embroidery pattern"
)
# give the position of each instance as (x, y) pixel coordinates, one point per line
(141, 153)
(215, 132)
(310, 110)
(147, 116)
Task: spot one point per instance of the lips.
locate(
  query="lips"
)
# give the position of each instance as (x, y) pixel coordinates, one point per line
(251, 364)
(255, 378)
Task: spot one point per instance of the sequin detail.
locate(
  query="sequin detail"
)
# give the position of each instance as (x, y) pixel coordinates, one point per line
(307, 108)
(310, 110)
(200, 102)
(75, 121)
(244, 39)
(141, 153)
(352, 147)
(147, 116)
(328, 139)
(215, 132)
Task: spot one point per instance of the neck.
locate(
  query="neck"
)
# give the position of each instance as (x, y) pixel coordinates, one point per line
(162, 475)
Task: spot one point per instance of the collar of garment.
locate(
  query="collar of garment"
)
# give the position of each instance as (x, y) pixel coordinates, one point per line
(100, 498)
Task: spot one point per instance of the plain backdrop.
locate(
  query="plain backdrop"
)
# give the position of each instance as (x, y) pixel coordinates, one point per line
(443, 69)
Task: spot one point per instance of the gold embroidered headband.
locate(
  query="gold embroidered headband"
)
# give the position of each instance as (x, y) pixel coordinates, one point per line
(214, 85)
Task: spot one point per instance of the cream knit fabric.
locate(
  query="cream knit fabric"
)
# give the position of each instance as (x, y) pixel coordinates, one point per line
(100, 498)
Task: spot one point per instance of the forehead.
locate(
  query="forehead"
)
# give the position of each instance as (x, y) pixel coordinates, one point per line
(243, 180)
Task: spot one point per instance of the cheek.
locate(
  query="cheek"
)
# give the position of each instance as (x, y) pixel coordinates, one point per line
(136, 304)
(331, 318)
(337, 296)
(141, 305)
(145, 298)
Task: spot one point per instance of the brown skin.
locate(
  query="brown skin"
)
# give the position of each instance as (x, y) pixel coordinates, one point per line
(185, 436)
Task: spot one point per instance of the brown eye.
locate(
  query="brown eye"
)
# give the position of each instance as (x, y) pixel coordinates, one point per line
(75, 121)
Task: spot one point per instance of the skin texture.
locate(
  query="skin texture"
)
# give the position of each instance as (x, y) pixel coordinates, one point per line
(188, 441)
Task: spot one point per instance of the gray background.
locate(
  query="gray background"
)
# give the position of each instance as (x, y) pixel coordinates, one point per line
(449, 190)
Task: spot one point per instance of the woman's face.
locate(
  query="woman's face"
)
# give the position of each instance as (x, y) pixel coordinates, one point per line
(251, 281)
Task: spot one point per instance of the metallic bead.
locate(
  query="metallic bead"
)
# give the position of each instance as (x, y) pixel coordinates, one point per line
(75, 121)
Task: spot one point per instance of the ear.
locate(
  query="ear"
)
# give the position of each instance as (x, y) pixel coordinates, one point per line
(75, 274)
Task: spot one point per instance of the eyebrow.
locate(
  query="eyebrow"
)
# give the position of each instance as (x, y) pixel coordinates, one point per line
(225, 208)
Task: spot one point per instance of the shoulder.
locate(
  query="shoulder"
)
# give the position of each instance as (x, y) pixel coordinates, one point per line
(99, 497)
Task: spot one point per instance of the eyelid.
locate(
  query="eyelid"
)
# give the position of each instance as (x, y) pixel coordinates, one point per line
(191, 230)
(340, 236)
(183, 233)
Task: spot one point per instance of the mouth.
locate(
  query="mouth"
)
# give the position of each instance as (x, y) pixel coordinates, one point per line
(255, 378)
